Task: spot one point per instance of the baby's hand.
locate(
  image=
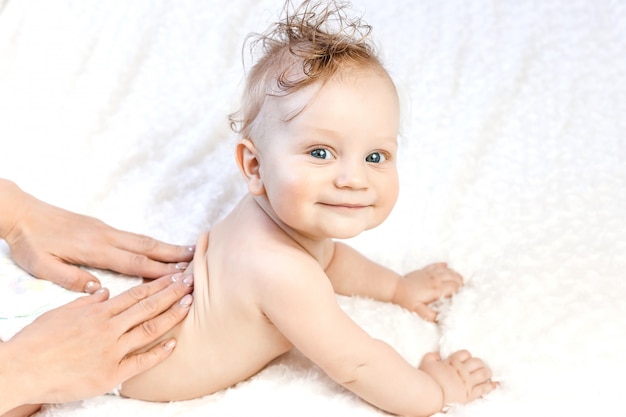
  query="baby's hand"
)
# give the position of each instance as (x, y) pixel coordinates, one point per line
(462, 377)
(424, 286)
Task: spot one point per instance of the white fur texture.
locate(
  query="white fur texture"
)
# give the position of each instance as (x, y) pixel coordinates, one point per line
(513, 171)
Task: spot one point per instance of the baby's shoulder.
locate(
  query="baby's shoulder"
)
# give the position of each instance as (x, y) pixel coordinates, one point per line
(276, 259)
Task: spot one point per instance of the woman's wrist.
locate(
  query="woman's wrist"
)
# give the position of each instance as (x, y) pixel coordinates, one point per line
(12, 198)
(13, 390)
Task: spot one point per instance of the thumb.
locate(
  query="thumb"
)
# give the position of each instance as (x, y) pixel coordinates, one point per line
(97, 297)
(430, 357)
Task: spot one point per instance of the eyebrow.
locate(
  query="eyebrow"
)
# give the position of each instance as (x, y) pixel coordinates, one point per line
(335, 134)
(324, 130)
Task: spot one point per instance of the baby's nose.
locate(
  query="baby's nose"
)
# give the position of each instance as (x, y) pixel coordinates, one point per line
(351, 175)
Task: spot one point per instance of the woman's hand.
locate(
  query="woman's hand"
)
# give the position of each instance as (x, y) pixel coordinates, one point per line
(85, 348)
(49, 242)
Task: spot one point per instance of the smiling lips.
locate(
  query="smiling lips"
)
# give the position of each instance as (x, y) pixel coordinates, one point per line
(347, 206)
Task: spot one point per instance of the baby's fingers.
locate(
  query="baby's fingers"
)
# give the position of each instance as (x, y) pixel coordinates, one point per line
(425, 312)
(449, 288)
(480, 375)
(459, 357)
(477, 374)
(483, 389)
(431, 357)
(445, 273)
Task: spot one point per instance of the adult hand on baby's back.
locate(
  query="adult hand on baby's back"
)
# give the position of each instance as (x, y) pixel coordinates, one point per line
(49, 242)
(88, 347)
(423, 286)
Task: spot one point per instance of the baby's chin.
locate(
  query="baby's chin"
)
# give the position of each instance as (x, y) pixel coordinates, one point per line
(342, 236)
(350, 232)
(336, 228)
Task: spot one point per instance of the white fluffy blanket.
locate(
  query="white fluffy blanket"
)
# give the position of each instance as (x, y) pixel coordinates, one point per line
(513, 171)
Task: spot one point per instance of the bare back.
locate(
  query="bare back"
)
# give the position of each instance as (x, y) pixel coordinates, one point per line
(225, 338)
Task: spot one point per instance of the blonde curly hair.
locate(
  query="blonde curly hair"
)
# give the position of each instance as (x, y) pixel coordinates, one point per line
(311, 43)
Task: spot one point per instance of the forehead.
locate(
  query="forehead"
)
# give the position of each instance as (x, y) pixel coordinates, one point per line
(365, 97)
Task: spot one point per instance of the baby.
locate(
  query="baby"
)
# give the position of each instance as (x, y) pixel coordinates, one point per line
(318, 146)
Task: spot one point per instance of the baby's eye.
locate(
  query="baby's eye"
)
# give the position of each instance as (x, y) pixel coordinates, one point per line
(375, 157)
(321, 153)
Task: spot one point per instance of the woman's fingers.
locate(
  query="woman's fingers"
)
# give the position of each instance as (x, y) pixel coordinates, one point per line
(150, 330)
(150, 307)
(24, 410)
(68, 276)
(134, 263)
(152, 248)
(139, 304)
(140, 362)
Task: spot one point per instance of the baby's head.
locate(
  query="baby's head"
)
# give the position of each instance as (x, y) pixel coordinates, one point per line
(312, 44)
(319, 125)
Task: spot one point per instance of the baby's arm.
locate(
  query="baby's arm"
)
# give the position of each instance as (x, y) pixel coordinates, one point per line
(305, 310)
(353, 274)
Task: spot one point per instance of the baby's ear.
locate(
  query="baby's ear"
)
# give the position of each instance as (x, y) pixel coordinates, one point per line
(248, 161)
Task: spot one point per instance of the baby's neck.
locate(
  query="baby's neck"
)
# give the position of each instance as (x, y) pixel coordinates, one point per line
(320, 248)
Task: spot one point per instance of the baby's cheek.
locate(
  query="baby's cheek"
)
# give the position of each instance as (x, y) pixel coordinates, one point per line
(388, 192)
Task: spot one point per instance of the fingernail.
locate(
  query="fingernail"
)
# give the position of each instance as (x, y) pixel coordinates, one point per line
(91, 287)
(186, 301)
(100, 291)
(169, 345)
(176, 277)
(181, 265)
(188, 280)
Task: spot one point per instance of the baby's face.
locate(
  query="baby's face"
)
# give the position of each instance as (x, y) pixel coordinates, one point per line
(331, 170)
